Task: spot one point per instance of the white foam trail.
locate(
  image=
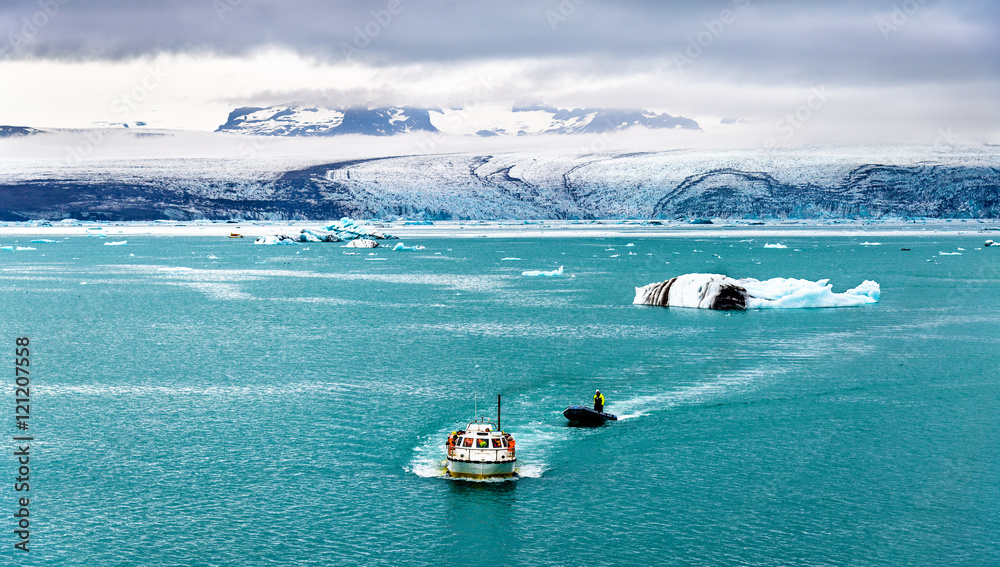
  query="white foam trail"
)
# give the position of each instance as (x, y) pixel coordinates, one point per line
(640, 406)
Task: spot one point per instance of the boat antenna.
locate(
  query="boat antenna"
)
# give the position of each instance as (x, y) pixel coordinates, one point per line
(475, 404)
(498, 413)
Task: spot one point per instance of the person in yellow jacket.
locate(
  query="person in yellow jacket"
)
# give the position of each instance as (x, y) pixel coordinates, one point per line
(599, 401)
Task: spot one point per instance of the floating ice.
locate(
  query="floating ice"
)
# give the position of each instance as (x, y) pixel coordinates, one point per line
(715, 291)
(273, 239)
(349, 229)
(44, 241)
(310, 235)
(518, 259)
(9, 248)
(19, 248)
(361, 243)
(866, 243)
(118, 243)
(778, 245)
(401, 246)
(553, 273)
(949, 253)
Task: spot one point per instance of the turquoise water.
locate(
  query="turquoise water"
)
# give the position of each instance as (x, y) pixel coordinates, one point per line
(211, 402)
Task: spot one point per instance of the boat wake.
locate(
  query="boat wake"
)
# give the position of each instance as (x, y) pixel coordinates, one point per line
(641, 406)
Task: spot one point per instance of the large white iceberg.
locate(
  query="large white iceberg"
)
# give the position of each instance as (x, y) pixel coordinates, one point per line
(716, 291)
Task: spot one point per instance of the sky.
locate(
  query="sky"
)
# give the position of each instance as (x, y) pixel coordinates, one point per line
(842, 71)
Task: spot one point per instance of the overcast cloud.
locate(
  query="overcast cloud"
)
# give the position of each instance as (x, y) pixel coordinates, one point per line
(685, 57)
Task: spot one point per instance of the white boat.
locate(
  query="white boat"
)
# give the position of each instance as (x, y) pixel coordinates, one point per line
(481, 450)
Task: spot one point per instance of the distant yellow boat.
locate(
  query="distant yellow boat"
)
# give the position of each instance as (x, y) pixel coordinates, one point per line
(235, 235)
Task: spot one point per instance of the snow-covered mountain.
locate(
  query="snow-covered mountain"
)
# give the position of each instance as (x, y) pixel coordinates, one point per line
(11, 131)
(297, 120)
(311, 120)
(803, 183)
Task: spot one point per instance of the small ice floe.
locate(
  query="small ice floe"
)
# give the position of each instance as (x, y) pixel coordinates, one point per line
(8, 248)
(117, 243)
(273, 239)
(990, 243)
(351, 253)
(949, 253)
(510, 259)
(535, 273)
(629, 245)
(962, 249)
(778, 245)
(20, 248)
(401, 246)
(613, 256)
(609, 249)
(44, 241)
(866, 243)
(361, 243)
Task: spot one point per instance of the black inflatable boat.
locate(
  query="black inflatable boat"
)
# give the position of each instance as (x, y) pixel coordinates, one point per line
(587, 416)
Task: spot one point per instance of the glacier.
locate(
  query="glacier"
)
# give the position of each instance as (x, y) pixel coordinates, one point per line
(856, 182)
(716, 291)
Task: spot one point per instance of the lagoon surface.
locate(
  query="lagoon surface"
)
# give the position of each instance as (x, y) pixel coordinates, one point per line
(206, 401)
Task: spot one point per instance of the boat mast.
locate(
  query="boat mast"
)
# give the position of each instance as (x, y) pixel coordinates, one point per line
(498, 413)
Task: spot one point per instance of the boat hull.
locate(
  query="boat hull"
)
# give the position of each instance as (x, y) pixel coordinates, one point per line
(587, 416)
(480, 469)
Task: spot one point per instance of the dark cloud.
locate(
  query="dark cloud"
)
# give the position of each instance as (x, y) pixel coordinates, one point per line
(769, 40)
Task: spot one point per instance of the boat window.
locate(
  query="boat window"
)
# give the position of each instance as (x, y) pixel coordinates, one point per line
(496, 443)
(482, 444)
(467, 441)
(504, 441)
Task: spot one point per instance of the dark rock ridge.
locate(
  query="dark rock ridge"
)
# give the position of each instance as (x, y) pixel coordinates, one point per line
(654, 185)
